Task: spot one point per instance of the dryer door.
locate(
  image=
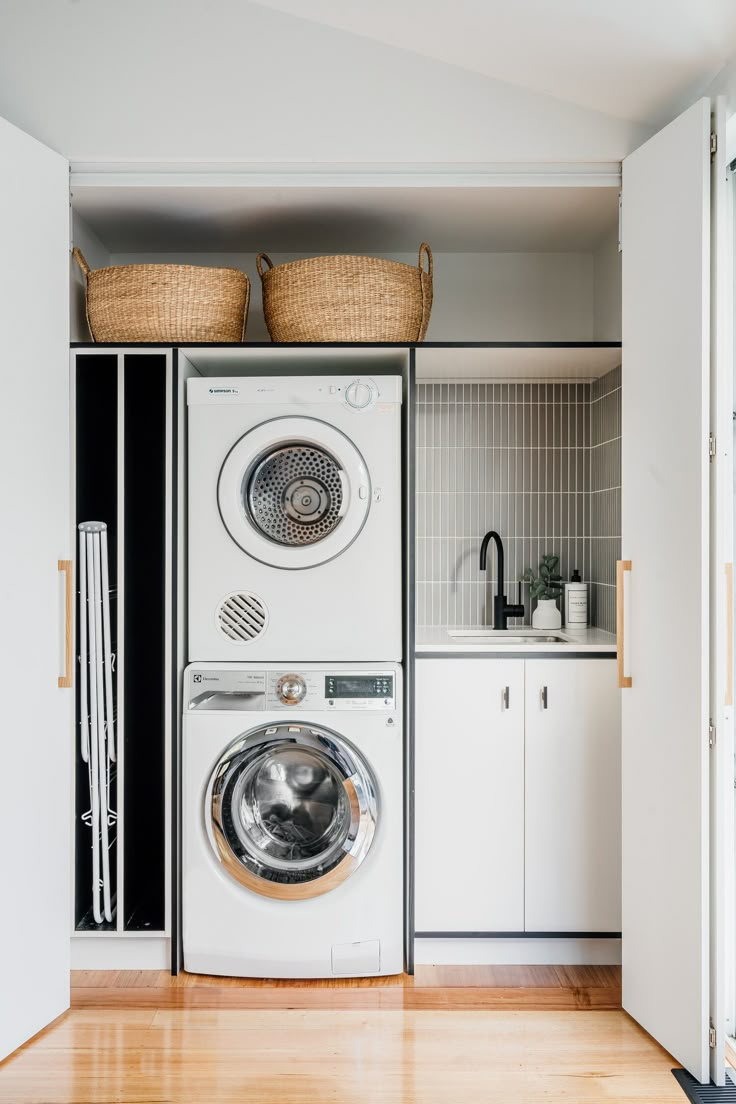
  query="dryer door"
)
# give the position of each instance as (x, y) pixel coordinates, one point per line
(291, 810)
(294, 492)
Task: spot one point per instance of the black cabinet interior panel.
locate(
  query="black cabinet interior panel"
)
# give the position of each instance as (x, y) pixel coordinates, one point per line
(144, 644)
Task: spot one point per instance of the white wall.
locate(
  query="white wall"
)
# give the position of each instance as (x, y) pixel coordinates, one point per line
(477, 296)
(607, 290)
(228, 80)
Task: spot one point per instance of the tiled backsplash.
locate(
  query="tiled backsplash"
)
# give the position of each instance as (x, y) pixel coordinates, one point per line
(605, 495)
(515, 457)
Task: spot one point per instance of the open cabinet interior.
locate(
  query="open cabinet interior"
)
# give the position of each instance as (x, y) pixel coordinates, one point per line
(523, 263)
(526, 441)
(96, 499)
(123, 478)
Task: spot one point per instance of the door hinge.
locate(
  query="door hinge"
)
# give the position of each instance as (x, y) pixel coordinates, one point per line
(712, 1037)
(711, 445)
(620, 222)
(713, 144)
(711, 735)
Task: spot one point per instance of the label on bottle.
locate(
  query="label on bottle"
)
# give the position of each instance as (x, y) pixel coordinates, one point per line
(577, 606)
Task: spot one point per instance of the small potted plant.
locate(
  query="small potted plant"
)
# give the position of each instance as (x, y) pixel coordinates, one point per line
(545, 587)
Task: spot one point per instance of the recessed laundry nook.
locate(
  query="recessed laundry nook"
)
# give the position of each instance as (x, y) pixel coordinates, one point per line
(309, 544)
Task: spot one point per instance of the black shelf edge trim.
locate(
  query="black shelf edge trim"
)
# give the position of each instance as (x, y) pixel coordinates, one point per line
(347, 345)
(514, 935)
(515, 655)
(176, 772)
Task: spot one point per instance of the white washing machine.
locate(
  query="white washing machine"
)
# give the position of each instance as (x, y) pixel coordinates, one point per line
(295, 518)
(293, 820)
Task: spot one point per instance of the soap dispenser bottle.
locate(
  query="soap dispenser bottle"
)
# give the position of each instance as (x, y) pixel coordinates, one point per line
(576, 601)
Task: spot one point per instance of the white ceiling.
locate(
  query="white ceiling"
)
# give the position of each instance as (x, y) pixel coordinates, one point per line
(334, 220)
(635, 59)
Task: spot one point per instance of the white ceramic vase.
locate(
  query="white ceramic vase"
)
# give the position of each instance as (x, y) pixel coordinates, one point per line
(546, 615)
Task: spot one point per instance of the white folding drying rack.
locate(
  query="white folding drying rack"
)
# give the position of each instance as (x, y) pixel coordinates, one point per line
(96, 704)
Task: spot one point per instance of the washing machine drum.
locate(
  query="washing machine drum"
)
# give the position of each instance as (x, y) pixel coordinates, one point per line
(294, 492)
(291, 810)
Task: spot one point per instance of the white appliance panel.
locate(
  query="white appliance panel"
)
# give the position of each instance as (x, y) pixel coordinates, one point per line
(355, 929)
(335, 598)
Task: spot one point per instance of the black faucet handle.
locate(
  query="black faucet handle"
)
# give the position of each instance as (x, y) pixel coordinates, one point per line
(515, 611)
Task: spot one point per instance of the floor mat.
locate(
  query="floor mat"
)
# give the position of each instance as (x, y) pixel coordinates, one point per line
(705, 1094)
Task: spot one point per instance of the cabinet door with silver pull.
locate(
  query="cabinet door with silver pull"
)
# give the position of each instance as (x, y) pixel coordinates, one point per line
(469, 785)
(573, 796)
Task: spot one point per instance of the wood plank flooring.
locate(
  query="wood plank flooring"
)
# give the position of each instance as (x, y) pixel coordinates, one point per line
(555, 988)
(450, 1035)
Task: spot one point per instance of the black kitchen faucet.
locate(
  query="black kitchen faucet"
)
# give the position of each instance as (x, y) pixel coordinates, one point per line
(502, 610)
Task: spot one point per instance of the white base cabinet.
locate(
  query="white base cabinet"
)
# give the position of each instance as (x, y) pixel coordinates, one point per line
(572, 807)
(517, 796)
(469, 785)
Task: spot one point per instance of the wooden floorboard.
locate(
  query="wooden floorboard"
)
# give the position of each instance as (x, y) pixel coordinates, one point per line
(552, 988)
(309, 1044)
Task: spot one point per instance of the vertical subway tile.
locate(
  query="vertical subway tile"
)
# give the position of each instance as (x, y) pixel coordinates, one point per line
(516, 457)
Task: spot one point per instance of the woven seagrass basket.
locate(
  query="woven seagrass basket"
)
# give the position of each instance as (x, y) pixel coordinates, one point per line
(165, 302)
(347, 298)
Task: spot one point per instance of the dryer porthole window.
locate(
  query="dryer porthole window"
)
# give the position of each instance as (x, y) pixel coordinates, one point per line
(293, 493)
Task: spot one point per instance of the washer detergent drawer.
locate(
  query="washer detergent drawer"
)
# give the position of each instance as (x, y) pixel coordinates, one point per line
(356, 959)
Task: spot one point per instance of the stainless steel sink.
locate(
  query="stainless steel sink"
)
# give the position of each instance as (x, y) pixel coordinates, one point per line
(506, 636)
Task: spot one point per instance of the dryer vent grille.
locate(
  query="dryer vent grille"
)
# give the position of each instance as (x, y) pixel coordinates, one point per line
(241, 617)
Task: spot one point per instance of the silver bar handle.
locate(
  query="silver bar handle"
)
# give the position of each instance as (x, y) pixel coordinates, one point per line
(506, 698)
(543, 697)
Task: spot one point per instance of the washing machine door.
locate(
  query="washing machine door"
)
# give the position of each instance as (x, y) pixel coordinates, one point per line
(291, 810)
(294, 492)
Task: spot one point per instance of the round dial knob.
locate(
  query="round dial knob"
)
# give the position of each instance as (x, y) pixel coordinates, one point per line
(359, 394)
(291, 689)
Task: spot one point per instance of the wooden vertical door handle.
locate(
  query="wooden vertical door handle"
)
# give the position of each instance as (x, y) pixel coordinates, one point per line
(622, 566)
(65, 680)
(729, 634)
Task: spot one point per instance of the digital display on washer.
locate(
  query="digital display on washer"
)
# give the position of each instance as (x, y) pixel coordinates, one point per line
(359, 686)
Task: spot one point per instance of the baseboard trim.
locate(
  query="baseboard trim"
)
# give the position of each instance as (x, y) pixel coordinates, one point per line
(120, 953)
(517, 952)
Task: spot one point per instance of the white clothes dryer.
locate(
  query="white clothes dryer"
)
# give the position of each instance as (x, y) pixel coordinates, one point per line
(293, 820)
(294, 518)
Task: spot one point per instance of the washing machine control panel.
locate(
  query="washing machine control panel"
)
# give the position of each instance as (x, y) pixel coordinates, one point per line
(303, 691)
(331, 691)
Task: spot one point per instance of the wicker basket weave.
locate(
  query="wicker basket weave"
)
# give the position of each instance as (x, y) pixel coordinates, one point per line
(165, 302)
(347, 298)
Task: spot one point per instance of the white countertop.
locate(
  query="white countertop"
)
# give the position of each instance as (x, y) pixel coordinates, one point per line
(436, 641)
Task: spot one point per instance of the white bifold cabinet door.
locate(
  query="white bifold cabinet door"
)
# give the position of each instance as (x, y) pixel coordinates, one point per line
(573, 796)
(469, 795)
(666, 658)
(37, 710)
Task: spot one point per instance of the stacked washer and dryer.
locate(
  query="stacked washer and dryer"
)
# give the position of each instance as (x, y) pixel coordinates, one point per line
(292, 730)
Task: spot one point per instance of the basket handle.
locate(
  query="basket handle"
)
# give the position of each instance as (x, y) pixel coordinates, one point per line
(263, 257)
(246, 307)
(78, 256)
(425, 251)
